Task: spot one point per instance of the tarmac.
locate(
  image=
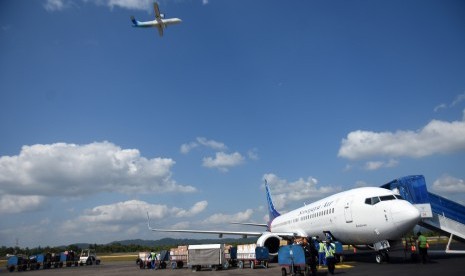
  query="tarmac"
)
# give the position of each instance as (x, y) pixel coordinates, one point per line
(361, 263)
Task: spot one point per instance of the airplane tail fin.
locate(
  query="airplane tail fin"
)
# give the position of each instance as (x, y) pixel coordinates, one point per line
(134, 21)
(272, 211)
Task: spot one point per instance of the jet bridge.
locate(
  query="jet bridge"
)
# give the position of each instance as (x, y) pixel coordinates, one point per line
(438, 213)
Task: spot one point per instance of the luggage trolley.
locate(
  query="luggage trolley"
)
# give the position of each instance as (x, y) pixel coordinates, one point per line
(292, 257)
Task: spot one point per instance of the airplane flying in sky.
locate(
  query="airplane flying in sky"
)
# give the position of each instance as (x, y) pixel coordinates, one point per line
(160, 22)
(367, 216)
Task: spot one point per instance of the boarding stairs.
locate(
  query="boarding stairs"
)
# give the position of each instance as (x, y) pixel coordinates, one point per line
(438, 213)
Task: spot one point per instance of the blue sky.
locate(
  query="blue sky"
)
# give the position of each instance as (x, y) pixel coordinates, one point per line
(101, 122)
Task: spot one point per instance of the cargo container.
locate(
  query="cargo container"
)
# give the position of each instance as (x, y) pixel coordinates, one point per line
(252, 256)
(178, 257)
(207, 256)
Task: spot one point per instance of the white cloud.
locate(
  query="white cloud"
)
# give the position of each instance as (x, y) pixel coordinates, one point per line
(437, 137)
(55, 5)
(253, 154)
(224, 218)
(449, 185)
(460, 98)
(215, 145)
(58, 5)
(124, 216)
(439, 107)
(124, 4)
(186, 148)
(223, 161)
(76, 170)
(284, 192)
(202, 141)
(375, 165)
(13, 204)
(196, 209)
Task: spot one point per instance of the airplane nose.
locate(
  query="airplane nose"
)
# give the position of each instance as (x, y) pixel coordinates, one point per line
(405, 215)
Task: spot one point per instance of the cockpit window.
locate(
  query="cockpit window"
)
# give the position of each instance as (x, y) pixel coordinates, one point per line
(372, 200)
(376, 199)
(399, 197)
(387, 197)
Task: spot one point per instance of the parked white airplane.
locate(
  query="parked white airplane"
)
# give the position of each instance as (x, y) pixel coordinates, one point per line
(368, 216)
(160, 22)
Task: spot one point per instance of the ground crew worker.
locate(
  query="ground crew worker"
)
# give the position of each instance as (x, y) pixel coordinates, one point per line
(423, 247)
(330, 250)
(153, 257)
(310, 255)
(321, 254)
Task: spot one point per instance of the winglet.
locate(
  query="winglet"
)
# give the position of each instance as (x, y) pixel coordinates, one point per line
(148, 221)
(134, 21)
(272, 211)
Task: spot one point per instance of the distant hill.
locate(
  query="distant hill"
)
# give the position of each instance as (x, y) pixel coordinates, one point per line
(172, 242)
(176, 242)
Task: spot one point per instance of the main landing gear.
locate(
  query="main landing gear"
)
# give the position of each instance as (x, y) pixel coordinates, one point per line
(382, 256)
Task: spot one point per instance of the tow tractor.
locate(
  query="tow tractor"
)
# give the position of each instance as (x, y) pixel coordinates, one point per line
(89, 257)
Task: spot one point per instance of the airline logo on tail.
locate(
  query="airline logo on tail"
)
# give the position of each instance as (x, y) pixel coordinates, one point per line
(272, 211)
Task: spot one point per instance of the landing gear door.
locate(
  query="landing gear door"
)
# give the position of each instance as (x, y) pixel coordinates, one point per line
(381, 245)
(348, 211)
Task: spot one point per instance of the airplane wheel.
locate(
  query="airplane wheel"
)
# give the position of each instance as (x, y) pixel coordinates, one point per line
(379, 258)
(283, 272)
(386, 257)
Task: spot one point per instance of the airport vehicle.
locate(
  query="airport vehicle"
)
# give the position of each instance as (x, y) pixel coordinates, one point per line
(18, 262)
(206, 255)
(71, 258)
(252, 256)
(160, 22)
(143, 260)
(367, 216)
(89, 257)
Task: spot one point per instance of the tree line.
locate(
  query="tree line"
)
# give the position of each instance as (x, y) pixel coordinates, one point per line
(101, 248)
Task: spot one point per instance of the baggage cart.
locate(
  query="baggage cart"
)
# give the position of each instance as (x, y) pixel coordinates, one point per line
(206, 256)
(291, 258)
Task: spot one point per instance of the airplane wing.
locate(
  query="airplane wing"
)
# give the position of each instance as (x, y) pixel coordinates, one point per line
(157, 11)
(220, 233)
(160, 30)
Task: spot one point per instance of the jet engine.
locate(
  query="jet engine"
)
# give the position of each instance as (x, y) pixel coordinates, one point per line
(270, 241)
